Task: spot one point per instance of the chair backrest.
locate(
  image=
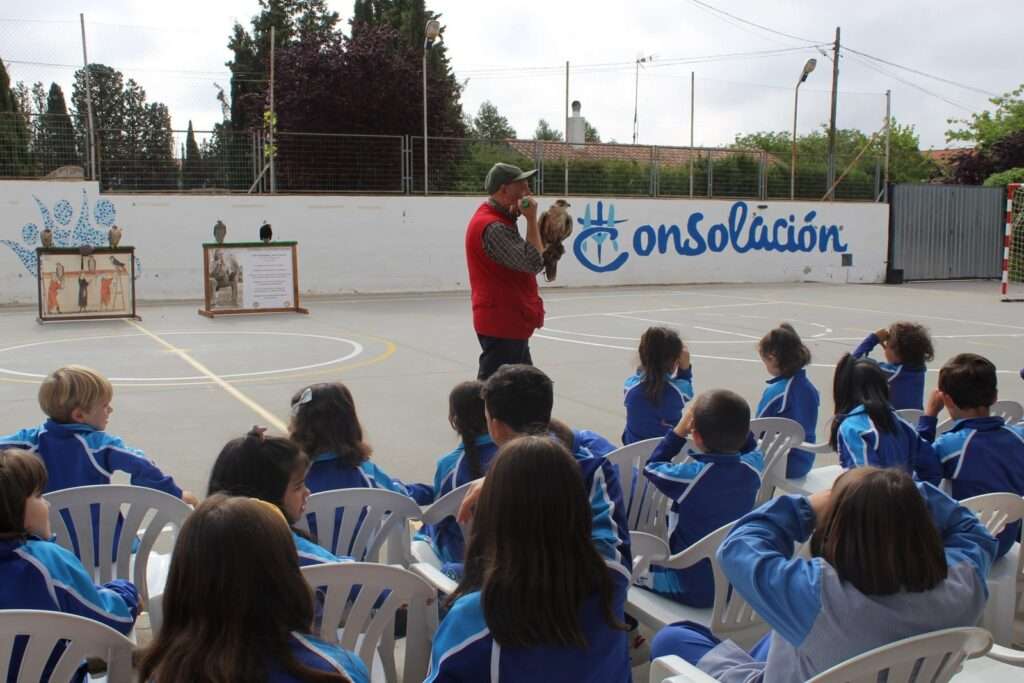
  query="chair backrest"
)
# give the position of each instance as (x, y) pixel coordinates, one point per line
(356, 522)
(100, 524)
(731, 616)
(1011, 411)
(996, 510)
(911, 415)
(84, 638)
(631, 460)
(934, 657)
(379, 591)
(776, 436)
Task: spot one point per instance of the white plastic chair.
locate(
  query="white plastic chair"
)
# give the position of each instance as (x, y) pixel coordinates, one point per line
(369, 620)
(428, 564)
(911, 415)
(143, 510)
(369, 517)
(646, 548)
(1012, 412)
(818, 479)
(85, 639)
(934, 657)
(631, 460)
(996, 511)
(730, 617)
(673, 669)
(776, 436)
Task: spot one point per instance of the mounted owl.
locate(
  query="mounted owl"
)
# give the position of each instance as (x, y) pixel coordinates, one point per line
(555, 226)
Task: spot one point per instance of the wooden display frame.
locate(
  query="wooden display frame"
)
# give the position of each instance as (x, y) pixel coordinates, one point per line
(111, 288)
(211, 307)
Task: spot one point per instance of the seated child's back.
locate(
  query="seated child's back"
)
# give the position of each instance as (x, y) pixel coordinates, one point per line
(657, 392)
(718, 487)
(908, 348)
(980, 454)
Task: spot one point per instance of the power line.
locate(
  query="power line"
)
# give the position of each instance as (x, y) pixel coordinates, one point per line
(922, 73)
(884, 72)
(752, 23)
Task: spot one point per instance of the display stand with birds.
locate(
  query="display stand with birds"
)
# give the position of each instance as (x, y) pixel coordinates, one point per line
(555, 227)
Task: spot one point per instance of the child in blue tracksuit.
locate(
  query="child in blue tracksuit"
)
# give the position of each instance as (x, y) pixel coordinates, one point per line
(39, 574)
(657, 392)
(718, 487)
(237, 607)
(789, 393)
(273, 470)
(72, 442)
(544, 591)
(324, 425)
(867, 430)
(980, 454)
(908, 348)
(924, 570)
(466, 462)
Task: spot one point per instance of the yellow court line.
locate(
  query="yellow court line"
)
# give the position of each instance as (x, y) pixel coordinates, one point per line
(252, 405)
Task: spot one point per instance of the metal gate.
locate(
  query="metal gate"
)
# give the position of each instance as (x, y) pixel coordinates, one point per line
(946, 232)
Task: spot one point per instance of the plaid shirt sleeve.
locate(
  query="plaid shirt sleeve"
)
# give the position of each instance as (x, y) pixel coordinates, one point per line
(510, 250)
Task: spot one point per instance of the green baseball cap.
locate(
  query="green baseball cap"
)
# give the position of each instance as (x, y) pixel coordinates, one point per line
(502, 174)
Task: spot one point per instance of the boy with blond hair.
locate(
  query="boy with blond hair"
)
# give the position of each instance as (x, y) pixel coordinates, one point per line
(72, 443)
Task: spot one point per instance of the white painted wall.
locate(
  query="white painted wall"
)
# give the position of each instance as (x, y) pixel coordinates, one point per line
(387, 244)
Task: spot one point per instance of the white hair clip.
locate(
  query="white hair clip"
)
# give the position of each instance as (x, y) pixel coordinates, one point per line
(307, 396)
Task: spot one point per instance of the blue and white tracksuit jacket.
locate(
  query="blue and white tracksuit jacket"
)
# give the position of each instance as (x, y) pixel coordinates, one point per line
(645, 420)
(465, 652)
(819, 620)
(41, 575)
(327, 474)
(793, 397)
(80, 455)
(712, 490)
(861, 443)
(981, 455)
(452, 472)
(319, 655)
(906, 383)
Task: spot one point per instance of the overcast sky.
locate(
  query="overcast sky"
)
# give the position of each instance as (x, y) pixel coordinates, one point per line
(514, 55)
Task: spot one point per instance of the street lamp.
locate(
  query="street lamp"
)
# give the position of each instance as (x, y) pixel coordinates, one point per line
(808, 68)
(431, 32)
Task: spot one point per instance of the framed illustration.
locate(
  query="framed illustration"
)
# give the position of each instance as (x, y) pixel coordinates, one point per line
(250, 277)
(86, 284)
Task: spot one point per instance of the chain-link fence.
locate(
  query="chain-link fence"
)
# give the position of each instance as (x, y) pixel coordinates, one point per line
(223, 161)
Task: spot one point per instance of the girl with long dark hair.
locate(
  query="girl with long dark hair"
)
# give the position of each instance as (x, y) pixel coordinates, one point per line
(657, 392)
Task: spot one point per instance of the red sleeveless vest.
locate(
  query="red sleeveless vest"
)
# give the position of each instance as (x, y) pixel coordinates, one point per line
(506, 302)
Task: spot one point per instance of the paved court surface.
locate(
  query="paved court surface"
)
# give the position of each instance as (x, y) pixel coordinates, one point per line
(185, 384)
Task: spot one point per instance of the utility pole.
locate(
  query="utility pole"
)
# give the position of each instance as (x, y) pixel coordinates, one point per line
(692, 93)
(888, 139)
(88, 106)
(832, 119)
(565, 163)
(273, 120)
(636, 95)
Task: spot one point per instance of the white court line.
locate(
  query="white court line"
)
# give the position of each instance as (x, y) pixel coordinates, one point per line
(737, 334)
(670, 309)
(271, 419)
(897, 315)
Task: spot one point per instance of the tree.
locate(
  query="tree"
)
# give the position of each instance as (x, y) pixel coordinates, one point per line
(488, 124)
(14, 131)
(987, 128)
(192, 164)
(975, 166)
(546, 132)
(590, 133)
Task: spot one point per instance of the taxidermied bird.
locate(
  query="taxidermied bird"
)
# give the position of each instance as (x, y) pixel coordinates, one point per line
(266, 234)
(46, 237)
(555, 226)
(219, 231)
(114, 236)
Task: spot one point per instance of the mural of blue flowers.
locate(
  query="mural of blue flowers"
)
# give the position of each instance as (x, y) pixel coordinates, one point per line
(58, 220)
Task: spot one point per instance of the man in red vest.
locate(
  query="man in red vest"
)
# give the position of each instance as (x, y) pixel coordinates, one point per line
(503, 269)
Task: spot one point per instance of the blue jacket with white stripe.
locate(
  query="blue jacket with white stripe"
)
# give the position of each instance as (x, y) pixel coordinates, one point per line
(793, 397)
(327, 474)
(906, 382)
(464, 650)
(711, 490)
(80, 455)
(981, 455)
(319, 655)
(42, 575)
(860, 443)
(647, 420)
